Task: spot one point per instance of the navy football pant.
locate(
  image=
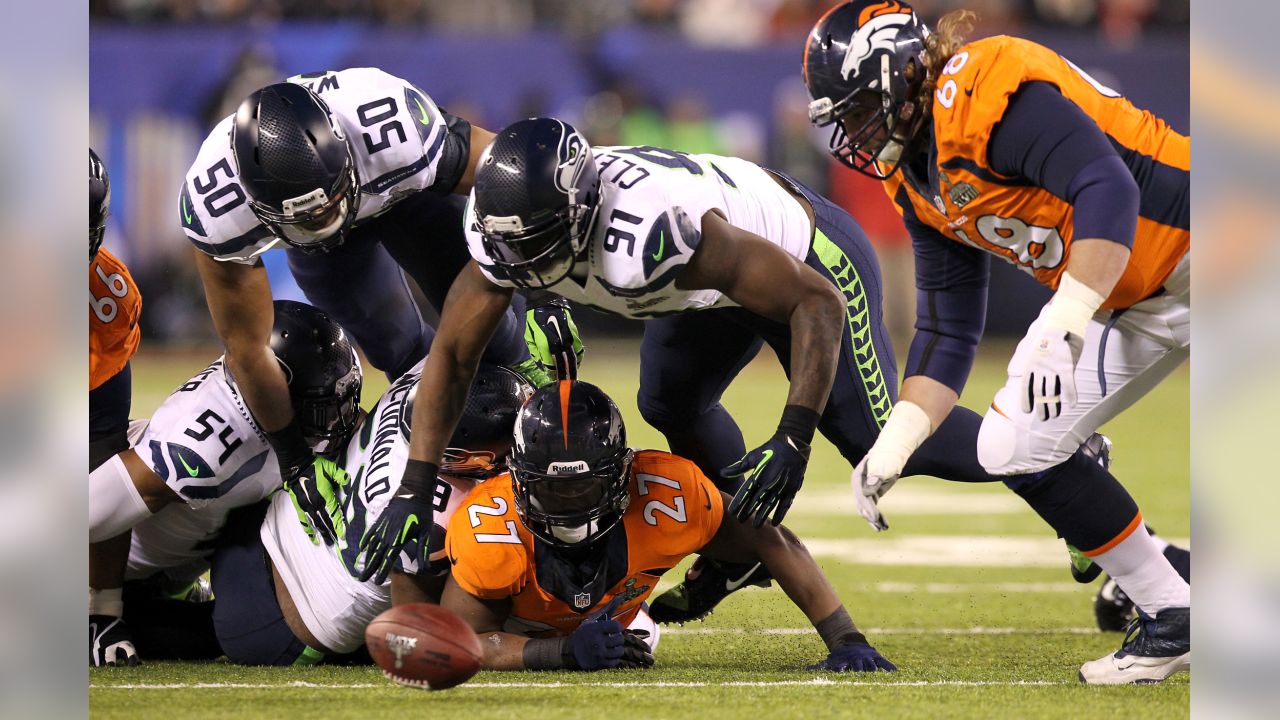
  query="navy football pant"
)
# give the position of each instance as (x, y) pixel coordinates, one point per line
(687, 361)
(109, 417)
(360, 284)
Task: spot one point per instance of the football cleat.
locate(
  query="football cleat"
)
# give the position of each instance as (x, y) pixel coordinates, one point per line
(1112, 608)
(706, 583)
(1154, 648)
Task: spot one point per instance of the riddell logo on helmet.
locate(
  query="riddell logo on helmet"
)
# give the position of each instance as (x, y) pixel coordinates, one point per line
(878, 28)
(567, 468)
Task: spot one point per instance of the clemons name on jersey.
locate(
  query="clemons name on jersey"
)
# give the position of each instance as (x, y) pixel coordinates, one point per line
(649, 224)
(396, 133)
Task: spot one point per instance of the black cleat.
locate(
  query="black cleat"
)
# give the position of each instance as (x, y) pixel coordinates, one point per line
(1112, 608)
(706, 583)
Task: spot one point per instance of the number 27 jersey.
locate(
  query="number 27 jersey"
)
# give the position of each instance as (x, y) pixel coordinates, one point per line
(397, 137)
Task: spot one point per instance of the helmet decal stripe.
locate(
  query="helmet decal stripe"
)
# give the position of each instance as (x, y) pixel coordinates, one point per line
(565, 386)
(805, 63)
(883, 8)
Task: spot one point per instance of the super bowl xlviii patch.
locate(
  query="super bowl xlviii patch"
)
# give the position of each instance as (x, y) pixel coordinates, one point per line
(962, 194)
(582, 601)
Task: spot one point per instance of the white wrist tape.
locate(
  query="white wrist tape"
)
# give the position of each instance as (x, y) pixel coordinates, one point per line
(108, 601)
(115, 505)
(1072, 307)
(908, 426)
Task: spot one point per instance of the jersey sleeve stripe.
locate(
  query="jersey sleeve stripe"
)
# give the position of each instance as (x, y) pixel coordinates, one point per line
(1165, 190)
(964, 163)
(235, 244)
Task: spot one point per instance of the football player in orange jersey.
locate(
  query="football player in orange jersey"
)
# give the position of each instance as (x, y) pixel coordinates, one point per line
(553, 563)
(1002, 147)
(114, 307)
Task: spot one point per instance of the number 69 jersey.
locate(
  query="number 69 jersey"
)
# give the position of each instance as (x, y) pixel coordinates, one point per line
(397, 137)
(649, 224)
(674, 512)
(334, 605)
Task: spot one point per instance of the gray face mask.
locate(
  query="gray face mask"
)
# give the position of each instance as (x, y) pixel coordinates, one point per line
(573, 535)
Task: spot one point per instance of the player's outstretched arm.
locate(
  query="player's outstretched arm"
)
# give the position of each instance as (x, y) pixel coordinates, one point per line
(804, 582)
(472, 311)
(502, 650)
(764, 279)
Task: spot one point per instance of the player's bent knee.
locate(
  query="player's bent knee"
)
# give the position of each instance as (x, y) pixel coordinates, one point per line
(998, 444)
(659, 413)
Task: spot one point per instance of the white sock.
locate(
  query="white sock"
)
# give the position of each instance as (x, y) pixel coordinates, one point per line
(1160, 542)
(1138, 565)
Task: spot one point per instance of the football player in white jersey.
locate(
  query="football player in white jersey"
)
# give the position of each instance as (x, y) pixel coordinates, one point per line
(352, 171)
(719, 255)
(285, 600)
(200, 456)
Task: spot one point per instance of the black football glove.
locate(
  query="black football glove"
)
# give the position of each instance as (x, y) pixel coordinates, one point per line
(774, 472)
(855, 657)
(599, 642)
(110, 642)
(405, 521)
(636, 653)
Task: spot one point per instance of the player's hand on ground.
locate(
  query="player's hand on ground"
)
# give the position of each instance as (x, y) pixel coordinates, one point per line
(773, 474)
(110, 642)
(599, 642)
(636, 653)
(405, 522)
(1050, 374)
(314, 492)
(868, 488)
(855, 657)
(553, 339)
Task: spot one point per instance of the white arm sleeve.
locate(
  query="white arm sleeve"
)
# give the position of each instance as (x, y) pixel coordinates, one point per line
(115, 505)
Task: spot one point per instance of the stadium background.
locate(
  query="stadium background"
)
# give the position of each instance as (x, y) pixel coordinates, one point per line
(695, 75)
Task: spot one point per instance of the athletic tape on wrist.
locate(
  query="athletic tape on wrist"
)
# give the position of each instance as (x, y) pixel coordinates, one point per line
(108, 601)
(1072, 306)
(907, 427)
(838, 630)
(798, 422)
(549, 654)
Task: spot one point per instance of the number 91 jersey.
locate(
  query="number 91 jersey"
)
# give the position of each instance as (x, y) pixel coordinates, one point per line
(397, 137)
(649, 224)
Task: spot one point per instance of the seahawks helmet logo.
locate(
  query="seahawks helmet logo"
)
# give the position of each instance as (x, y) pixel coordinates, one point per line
(878, 33)
(574, 155)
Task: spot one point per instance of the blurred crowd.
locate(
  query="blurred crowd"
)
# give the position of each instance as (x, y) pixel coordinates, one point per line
(712, 22)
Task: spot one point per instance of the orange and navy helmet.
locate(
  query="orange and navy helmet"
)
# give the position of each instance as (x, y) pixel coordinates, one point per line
(856, 63)
(570, 466)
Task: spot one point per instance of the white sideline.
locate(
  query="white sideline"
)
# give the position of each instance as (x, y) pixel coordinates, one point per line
(815, 682)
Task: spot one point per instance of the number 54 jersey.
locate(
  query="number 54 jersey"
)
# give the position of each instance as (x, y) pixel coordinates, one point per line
(397, 136)
(674, 512)
(649, 224)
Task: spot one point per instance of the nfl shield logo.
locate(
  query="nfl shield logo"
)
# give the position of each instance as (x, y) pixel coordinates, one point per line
(582, 601)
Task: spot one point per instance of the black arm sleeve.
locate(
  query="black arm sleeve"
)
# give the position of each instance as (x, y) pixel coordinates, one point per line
(1049, 140)
(951, 303)
(454, 154)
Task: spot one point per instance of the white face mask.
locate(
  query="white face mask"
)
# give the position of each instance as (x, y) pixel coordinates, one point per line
(573, 535)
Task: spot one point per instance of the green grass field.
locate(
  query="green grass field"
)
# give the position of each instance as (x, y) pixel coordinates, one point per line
(968, 594)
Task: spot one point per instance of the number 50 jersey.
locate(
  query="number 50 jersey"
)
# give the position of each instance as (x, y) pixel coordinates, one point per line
(649, 224)
(397, 137)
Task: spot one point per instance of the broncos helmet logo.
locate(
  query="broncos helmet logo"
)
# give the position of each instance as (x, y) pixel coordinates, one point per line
(878, 28)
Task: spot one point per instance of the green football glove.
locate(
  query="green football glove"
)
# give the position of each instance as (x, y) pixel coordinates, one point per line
(553, 340)
(314, 492)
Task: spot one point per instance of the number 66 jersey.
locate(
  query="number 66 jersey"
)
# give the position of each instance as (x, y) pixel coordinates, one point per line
(398, 138)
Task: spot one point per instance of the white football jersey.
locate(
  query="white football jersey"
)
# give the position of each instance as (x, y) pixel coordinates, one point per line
(203, 443)
(396, 134)
(335, 606)
(649, 224)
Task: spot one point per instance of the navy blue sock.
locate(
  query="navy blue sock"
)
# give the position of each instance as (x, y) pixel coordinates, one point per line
(1180, 559)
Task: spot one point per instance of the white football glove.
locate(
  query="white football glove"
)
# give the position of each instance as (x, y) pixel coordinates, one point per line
(1050, 375)
(868, 488)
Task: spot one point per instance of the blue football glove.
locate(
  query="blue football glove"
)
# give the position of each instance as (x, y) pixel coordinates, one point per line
(855, 657)
(553, 339)
(600, 641)
(314, 491)
(774, 472)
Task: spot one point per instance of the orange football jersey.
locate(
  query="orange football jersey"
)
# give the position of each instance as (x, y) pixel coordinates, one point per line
(1025, 224)
(114, 309)
(674, 511)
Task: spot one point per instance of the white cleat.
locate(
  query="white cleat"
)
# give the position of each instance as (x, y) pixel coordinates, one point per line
(1154, 648)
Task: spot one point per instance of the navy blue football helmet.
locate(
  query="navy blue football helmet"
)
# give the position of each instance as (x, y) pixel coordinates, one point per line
(864, 67)
(296, 166)
(571, 467)
(322, 370)
(99, 202)
(536, 195)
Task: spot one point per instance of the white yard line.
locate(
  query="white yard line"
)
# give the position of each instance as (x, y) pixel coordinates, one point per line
(913, 499)
(679, 630)
(815, 682)
(948, 550)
